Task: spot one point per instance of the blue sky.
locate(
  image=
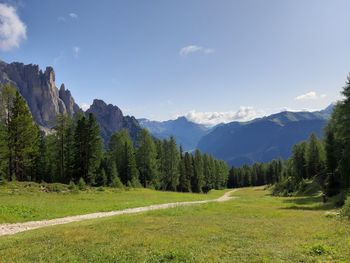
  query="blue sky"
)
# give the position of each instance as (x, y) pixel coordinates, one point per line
(209, 60)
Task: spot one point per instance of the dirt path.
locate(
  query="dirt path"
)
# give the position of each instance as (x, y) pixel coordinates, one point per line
(11, 229)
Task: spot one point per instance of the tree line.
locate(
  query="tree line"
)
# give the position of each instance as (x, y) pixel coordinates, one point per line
(73, 152)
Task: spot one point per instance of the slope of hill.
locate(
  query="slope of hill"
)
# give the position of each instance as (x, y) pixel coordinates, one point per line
(263, 139)
(186, 133)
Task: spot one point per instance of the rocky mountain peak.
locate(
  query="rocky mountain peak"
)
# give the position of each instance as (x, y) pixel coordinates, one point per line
(46, 101)
(111, 119)
(39, 90)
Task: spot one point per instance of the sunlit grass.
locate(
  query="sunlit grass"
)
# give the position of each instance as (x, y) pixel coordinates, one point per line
(20, 202)
(255, 227)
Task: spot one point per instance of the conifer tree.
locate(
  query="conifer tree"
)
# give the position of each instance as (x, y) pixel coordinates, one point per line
(186, 174)
(146, 158)
(24, 140)
(198, 175)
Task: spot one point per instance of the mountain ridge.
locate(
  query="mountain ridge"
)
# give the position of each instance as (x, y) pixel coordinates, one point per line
(45, 100)
(263, 139)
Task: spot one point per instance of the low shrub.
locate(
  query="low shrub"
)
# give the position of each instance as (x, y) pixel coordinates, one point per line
(116, 183)
(286, 187)
(345, 211)
(72, 186)
(81, 184)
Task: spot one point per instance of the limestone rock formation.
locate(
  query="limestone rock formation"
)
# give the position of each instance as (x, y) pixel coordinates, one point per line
(39, 90)
(111, 120)
(46, 101)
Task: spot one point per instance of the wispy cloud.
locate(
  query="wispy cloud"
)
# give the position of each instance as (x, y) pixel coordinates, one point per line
(212, 118)
(185, 51)
(76, 51)
(63, 19)
(73, 15)
(12, 30)
(312, 95)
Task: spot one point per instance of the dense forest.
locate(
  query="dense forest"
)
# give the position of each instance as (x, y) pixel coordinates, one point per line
(326, 161)
(73, 153)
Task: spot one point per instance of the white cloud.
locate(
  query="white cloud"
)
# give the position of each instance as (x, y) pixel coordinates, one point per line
(312, 95)
(84, 106)
(213, 118)
(76, 51)
(73, 15)
(12, 30)
(185, 51)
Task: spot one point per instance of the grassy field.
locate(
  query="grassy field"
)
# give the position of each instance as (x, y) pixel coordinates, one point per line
(20, 202)
(255, 227)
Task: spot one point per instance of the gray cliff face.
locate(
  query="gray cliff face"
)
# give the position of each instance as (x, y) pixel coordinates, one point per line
(46, 101)
(39, 90)
(111, 120)
(66, 97)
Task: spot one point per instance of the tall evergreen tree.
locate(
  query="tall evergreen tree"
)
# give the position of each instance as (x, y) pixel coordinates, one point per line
(186, 174)
(87, 149)
(314, 157)
(170, 165)
(7, 97)
(146, 158)
(24, 140)
(198, 175)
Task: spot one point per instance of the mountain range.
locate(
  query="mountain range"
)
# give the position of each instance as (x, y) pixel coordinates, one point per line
(186, 133)
(46, 101)
(237, 143)
(263, 139)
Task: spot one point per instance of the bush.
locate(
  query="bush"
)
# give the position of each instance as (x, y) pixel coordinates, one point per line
(72, 186)
(345, 211)
(81, 184)
(2, 179)
(286, 187)
(339, 199)
(116, 183)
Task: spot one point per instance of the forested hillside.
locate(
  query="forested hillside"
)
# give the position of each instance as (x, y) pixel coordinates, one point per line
(74, 153)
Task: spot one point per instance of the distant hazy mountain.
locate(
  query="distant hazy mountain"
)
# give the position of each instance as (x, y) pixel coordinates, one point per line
(186, 133)
(263, 139)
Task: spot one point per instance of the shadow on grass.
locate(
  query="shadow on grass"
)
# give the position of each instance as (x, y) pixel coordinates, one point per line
(310, 203)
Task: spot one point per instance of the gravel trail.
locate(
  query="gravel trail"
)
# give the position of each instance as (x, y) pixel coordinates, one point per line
(11, 229)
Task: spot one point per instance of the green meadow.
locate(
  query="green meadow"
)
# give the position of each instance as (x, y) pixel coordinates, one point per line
(254, 227)
(28, 201)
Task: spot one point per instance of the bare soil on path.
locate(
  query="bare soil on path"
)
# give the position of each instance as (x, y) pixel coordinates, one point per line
(11, 229)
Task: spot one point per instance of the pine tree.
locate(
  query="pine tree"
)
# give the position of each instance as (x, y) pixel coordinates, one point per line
(170, 165)
(7, 97)
(314, 157)
(24, 140)
(94, 148)
(87, 149)
(146, 158)
(198, 175)
(332, 180)
(186, 174)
